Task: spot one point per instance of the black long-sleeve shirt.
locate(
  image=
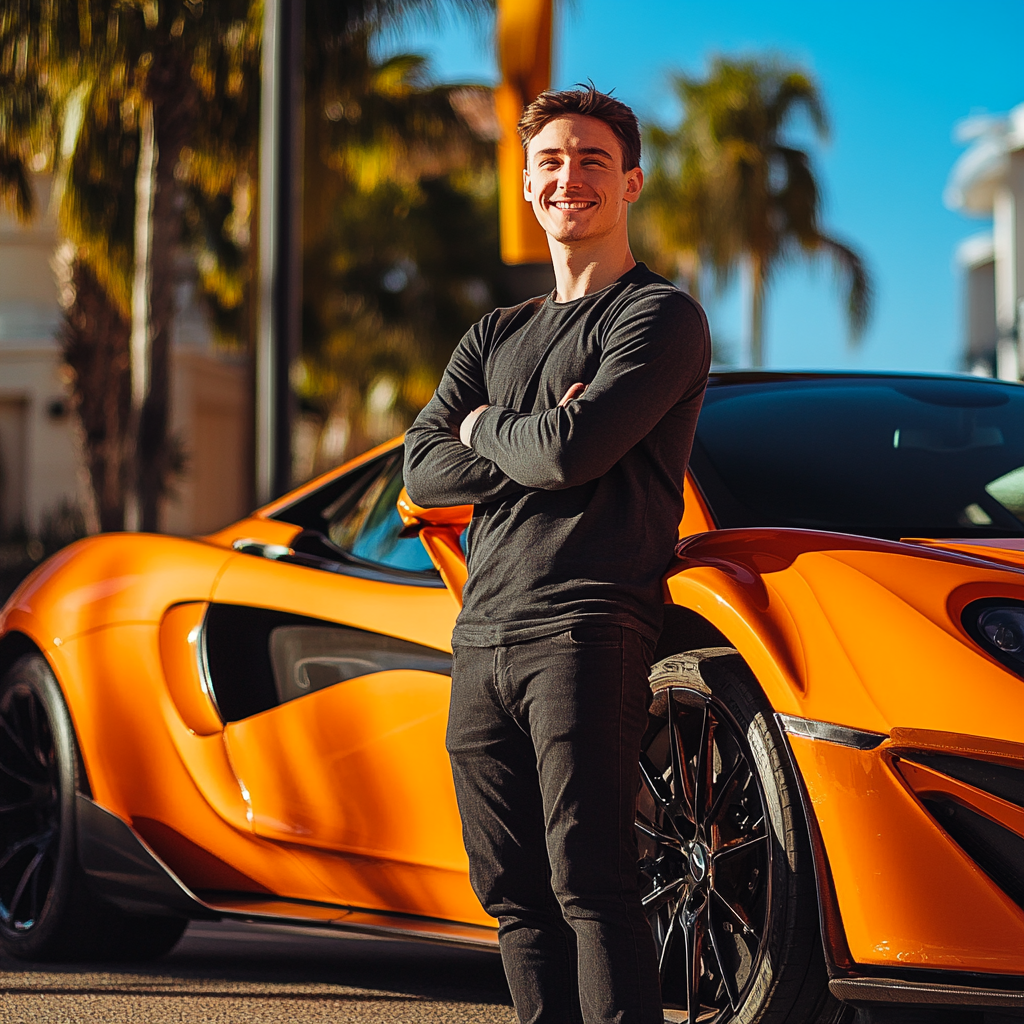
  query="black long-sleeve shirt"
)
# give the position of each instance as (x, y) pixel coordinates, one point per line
(577, 508)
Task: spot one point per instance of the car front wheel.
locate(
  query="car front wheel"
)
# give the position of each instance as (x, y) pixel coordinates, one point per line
(728, 881)
(47, 910)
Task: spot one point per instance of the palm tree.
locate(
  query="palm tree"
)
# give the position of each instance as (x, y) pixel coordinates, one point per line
(726, 188)
(109, 96)
(146, 111)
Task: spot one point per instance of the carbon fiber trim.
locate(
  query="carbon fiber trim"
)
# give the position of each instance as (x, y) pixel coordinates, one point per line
(876, 991)
(857, 738)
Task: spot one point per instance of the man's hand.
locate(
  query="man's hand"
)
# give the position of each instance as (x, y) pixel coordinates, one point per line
(574, 392)
(466, 429)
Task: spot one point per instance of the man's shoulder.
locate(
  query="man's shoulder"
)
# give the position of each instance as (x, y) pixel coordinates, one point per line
(642, 282)
(659, 295)
(505, 319)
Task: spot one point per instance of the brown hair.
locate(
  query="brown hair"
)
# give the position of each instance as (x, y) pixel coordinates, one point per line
(587, 101)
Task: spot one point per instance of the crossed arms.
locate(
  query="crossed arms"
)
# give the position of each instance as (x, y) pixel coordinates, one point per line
(651, 361)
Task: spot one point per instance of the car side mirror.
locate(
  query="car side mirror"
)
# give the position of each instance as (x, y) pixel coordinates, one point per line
(439, 530)
(414, 517)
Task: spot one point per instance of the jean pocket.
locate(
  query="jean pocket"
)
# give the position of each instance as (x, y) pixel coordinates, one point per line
(595, 636)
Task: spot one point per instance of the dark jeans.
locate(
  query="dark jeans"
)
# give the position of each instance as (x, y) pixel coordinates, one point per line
(544, 738)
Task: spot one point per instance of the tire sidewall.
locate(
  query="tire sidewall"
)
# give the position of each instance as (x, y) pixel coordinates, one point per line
(34, 673)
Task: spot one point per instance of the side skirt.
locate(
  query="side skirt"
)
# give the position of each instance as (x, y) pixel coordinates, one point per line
(127, 873)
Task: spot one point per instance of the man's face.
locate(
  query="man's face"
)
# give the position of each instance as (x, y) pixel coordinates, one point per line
(575, 181)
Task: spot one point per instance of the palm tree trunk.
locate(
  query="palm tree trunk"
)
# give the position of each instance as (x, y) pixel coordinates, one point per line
(170, 89)
(145, 187)
(756, 312)
(95, 339)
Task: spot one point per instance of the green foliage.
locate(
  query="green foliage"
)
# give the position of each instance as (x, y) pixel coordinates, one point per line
(400, 238)
(388, 185)
(727, 187)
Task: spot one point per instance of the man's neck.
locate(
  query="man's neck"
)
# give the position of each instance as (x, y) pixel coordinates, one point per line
(581, 268)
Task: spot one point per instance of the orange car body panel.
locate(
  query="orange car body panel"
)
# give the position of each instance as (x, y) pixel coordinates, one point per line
(864, 634)
(867, 634)
(908, 895)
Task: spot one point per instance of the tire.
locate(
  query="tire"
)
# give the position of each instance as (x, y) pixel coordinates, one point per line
(728, 880)
(47, 909)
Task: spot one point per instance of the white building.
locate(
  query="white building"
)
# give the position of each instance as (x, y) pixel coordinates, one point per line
(988, 181)
(41, 463)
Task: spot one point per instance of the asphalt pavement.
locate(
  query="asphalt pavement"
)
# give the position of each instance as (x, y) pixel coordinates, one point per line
(249, 974)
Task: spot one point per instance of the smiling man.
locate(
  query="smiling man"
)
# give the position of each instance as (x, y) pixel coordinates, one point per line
(567, 422)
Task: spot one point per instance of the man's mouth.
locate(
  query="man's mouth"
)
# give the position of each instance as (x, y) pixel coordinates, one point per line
(572, 204)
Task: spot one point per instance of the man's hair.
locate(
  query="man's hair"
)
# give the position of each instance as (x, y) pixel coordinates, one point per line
(587, 101)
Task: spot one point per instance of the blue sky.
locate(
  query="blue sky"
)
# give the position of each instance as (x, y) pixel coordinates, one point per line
(896, 76)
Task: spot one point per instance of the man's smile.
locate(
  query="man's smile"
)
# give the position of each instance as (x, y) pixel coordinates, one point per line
(573, 204)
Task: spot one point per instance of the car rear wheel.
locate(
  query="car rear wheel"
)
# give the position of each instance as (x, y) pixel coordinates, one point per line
(728, 882)
(47, 910)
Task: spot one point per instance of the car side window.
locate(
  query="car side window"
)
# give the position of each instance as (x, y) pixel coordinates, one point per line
(365, 522)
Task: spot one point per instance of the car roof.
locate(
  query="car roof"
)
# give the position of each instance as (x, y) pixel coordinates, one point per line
(724, 378)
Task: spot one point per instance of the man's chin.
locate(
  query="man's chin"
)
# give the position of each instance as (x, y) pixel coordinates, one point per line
(566, 233)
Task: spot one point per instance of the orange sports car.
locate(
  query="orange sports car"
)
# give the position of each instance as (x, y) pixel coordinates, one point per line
(251, 724)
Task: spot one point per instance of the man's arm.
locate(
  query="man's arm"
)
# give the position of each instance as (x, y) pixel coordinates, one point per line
(440, 470)
(658, 354)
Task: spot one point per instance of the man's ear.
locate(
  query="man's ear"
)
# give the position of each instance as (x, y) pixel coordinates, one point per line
(527, 187)
(634, 185)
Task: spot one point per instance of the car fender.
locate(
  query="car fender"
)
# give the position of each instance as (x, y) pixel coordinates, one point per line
(857, 632)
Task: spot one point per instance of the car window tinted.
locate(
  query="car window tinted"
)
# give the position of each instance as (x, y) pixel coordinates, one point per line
(357, 513)
(887, 458)
(369, 525)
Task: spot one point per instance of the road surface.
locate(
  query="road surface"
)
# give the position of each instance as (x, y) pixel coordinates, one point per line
(249, 974)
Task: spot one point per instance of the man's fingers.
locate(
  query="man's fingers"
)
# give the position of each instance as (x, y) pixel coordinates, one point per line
(574, 392)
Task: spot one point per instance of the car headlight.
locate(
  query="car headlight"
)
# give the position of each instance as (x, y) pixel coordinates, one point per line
(997, 625)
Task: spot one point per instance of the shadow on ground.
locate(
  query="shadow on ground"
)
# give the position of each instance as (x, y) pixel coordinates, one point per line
(260, 974)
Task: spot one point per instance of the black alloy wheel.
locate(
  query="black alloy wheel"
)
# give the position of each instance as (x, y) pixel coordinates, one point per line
(47, 908)
(719, 827)
(31, 811)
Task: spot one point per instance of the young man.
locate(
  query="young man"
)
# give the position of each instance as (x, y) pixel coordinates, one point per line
(567, 421)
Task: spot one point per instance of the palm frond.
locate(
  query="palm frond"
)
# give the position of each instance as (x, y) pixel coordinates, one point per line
(850, 267)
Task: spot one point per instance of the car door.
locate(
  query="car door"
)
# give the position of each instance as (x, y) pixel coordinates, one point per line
(331, 667)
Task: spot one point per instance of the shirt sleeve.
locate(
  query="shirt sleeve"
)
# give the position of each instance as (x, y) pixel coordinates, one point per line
(657, 354)
(440, 470)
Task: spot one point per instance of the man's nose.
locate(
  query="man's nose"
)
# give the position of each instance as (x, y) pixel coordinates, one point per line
(570, 175)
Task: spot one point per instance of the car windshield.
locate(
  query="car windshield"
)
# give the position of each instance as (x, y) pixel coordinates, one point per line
(891, 458)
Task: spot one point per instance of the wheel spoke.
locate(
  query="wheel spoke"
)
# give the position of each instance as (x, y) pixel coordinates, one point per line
(12, 774)
(654, 783)
(694, 929)
(725, 789)
(15, 738)
(742, 845)
(702, 771)
(20, 806)
(726, 975)
(27, 875)
(682, 789)
(740, 916)
(656, 898)
(645, 825)
(665, 956)
(34, 840)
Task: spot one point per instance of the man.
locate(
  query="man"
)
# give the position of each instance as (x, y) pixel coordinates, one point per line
(567, 421)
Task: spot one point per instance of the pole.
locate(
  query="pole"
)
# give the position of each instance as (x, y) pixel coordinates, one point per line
(280, 243)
